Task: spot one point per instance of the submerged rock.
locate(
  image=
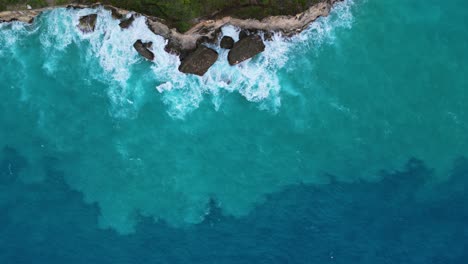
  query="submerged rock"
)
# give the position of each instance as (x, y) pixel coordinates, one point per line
(87, 23)
(245, 49)
(199, 61)
(126, 23)
(226, 42)
(143, 49)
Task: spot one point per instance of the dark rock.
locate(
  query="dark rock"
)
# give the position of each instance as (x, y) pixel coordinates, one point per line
(199, 61)
(143, 49)
(226, 42)
(267, 35)
(174, 47)
(148, 45)
(245, 49)
(203, 39)
(115, 13)
(126, 23)
(87, 23)
(243, 34)
(75, 6)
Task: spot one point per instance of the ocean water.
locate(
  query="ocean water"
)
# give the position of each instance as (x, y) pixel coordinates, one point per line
(344, 144)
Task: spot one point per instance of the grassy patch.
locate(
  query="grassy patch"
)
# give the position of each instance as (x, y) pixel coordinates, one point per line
(21, 4)
(182, 13)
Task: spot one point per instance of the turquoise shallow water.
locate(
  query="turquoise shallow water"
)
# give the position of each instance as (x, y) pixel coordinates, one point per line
(336, 145)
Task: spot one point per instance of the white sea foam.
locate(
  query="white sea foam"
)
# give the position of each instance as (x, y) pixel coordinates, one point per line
(132, 181)
(12, 33)
(255, 79)
(109, 46)
(12, 37)
(145, 169)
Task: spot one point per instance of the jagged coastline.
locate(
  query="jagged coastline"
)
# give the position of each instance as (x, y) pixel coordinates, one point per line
(187, 44)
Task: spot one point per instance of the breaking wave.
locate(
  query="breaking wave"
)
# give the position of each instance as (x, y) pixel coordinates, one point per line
(128, 168)
(256, 79)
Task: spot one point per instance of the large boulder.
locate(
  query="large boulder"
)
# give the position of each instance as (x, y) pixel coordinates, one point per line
(174, 46)
(226, 42)
(126, 23)
(245, 49)
(143, 49)
(22, 16)
(87, 23)
(243, 34)
(199, 61)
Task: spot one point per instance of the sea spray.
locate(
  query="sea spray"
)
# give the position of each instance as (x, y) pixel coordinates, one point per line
(255, 79)
(331, 162)
(87, 110)
(342, 115)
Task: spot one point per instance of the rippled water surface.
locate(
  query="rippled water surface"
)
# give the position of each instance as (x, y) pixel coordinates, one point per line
(345, 143)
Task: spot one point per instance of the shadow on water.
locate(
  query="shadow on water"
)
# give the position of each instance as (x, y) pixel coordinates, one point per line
(403, 218)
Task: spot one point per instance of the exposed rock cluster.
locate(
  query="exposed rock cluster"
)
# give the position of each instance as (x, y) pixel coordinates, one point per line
(87, 23)
(226, 42)
(126, 23)
(195, 57)
(144, 49)
(199, 61)
(245, 49)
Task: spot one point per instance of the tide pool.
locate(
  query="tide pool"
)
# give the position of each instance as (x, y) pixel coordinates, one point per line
(345, 143)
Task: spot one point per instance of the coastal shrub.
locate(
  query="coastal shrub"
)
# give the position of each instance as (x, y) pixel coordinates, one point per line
(182, 14)
(21, 4)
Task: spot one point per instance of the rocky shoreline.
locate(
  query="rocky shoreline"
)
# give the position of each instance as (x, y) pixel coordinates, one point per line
(195, 57)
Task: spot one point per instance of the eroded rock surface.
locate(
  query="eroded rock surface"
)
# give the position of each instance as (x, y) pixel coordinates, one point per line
(26, 16)
(87, 23)
(114, 11)
(144, 49)
(126, 23)
(199, 61)
(246, 48)
(226, 42)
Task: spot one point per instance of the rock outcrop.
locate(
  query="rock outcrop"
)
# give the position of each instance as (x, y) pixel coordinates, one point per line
(199, 61)
(285, 25)
(87, 23)
(226, 42)
(26, 16)
(116, 14)
(187, 45)
(243, 34)
(144, 49)
(126, 23)
(246, 48)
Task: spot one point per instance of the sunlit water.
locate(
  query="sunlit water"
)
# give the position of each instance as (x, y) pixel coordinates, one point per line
(314, 133)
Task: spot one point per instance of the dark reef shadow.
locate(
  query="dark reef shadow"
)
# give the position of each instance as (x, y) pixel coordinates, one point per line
(360, 222)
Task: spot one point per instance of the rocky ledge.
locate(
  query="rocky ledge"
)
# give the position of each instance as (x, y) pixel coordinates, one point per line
(144, 49)
(26, 16)
(195, 57)
(87, 23)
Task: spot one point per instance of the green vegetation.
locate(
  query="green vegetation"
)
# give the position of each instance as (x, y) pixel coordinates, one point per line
(4, 4)
(182, 14)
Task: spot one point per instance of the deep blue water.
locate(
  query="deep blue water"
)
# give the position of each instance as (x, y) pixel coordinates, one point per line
(344, 144)
(390, 221)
